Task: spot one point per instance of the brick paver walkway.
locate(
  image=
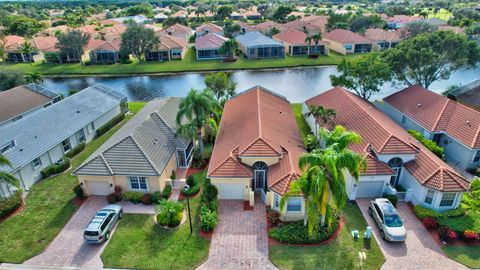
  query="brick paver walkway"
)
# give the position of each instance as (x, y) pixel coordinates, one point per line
(419, 252)
(240, 239)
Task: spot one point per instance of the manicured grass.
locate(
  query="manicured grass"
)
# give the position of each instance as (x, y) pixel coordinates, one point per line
(48, 208)
(302, 124)
(469, 256)
(136, 106)
(138, 243)
(341, 253)
(189, 63)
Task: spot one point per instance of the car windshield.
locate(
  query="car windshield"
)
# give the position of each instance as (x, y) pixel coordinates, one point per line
(393, 220)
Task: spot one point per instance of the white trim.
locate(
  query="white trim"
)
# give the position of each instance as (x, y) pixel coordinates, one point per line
(39, 163)
(138, 179)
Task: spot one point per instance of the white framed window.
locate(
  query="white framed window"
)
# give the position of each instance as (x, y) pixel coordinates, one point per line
(138, 182)
(276, 200)
(429, 196)
(66, 145)
(90, 128)
(476, 157)
(447, 199)
(80, 136)
(294, 204)
(36, 163)
(404, 120)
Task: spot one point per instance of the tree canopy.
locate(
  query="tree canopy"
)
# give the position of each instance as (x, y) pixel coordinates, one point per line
(10, 79)
(281, 12)
(73, 43)
(221, 85)
(224, 11)
(137, 40)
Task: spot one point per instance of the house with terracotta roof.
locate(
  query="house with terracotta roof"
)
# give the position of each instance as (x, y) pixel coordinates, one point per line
(208, 46)
(303, 26)
(256, 151)
(13, 49)
(245, 27)
(384, 39)
(169, 48)
(318, 21)
(345, 42)
(255, 45)
(236, 16)
(105, 52)
(400, 21)
(450, 124)
(252, 15)
(180, 14)
(177, 30)
(394, 158)
(267, 26)
(467, 94)
(47, 49)
(208, 28)
(296, 44)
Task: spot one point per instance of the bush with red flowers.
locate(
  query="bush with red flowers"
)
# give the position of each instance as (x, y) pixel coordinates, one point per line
(448, 234)
(430, 223)
(273, 217)
(470, 235)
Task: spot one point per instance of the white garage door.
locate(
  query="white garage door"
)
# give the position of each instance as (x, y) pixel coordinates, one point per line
(98, 187)
(369, 189)
(230, 191)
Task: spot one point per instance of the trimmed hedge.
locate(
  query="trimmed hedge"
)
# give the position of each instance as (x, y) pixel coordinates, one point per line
(431, 145)
(423, 212)
(470, 221)
(10, 204)
(132, 196)
(56, 168)
(76, 150)
(166, 192)
(103, 129)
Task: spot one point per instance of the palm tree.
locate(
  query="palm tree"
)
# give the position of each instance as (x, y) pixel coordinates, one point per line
(316, 39)
(323, 177)
(322, 115)
(27, 48)
(5, 176)
(33, 77)
(308, 40)
(193, 115)
(228, 48)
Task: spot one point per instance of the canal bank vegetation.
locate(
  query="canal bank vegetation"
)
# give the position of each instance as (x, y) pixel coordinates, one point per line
(189, 63)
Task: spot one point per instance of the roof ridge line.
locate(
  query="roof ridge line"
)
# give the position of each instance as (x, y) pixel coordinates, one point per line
(143, 152)
(441, 114)
(106, 163)
(258, 115)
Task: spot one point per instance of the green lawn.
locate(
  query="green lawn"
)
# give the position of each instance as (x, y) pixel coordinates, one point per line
(189, 63)
(341, 253)
(136, 106)
(301, 122)
(48, 208)
(469, 256)
(138, 243)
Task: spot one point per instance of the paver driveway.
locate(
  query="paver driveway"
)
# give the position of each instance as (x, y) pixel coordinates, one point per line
(68, 248)
(419, 250)
(240, 239)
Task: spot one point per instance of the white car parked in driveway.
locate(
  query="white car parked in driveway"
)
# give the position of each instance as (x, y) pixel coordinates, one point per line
(102, 224)
(388, 221)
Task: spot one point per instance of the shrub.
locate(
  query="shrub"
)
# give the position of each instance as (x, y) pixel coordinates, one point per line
(208, 219)
(311, 142)
(210, 192)
(423, 212)
(156, 197)
(431, 145)
(470, 221)
(191, 191)
(448, 234)
(132, 196)
(78, 190)
(167, 190)
(112, 198)
(273, 217)
(392, 198)
(173, 176)
(8, 205)
(56, 168)
(118, 189)
(191, 181)
(430, 223)
(460, 211)
(470, 235)
(103, 129)
(170, 213)
(147, 198)
(76, 150)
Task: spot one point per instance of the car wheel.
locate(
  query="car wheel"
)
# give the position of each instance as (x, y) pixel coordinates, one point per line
(370, 211)
(120, 215)
(382, 234)
(107, 236)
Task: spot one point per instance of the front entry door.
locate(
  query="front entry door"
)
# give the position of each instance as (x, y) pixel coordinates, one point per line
(259, 179)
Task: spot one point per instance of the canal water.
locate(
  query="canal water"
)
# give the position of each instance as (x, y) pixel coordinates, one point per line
(297, 84)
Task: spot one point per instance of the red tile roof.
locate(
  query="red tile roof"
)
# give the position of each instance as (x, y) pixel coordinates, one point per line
(301, 25)
(209, 41)
(318, 21)
(46, 44)
(258, 123)
(293, 38)
(268, 25)
(378, 34)
(384, 136)
(438, 114)
(13, 42)
(346, 37)
(209, 27)
(168, 42)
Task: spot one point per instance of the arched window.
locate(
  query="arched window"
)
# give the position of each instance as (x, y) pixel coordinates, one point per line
(259, 175)
(396, 164)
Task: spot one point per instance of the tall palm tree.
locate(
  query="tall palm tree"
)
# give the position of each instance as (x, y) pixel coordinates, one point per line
(308, 40)
(5, 176)
(27, 48)
(316, 39)
(321, 114)
(33, 77)
(323, 176)
(194, 113)
(228, 48)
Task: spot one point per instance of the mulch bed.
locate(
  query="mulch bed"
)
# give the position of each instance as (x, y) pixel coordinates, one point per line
(206, 235)
(16, 212)
(78, 202)
(246, 206)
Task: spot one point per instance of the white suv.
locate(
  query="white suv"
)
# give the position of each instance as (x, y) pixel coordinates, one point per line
(102, 224)
(388, 221)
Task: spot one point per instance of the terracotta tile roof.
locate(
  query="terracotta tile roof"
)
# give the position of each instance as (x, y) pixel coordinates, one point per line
(438, 114)
(258, 123)
(384, 136)
(301, 25)
(402, 19)
(294, 38)
(268, 25)
(318, 21)
(176, 28)
(180, 14)
(46, 44)
(378, 34)
(209, 41)
(376, 167)
(209, 27)
(169, 42)
(345, 37)
(105, 45)
(13, 42)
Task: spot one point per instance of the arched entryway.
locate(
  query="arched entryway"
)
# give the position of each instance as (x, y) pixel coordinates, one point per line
(259, 175)
(396, 164)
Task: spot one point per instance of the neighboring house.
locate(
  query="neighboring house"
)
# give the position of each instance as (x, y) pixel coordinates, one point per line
(254, 45)
(252, 15)
(452, 125)
(141, 155)
(180, 14)
(236, 16)
(245, 27)
(384, 39)
(208, 46)
(400, 21)
(177, 30)
(107, 52)
(468, 94)
(256, 151)
(47, 49)
(318, 21)
(160, 17)
(345, 42)
(13, 50)
(295, 43)
(169, 48)
(267, 26)
(394, 158)
(302, 26)
(208, 28)
(113, 32)
(21, 101)
(43, 138)
(138, 19)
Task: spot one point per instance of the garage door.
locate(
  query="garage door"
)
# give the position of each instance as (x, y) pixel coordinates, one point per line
(230, 191)
(98, 187)
(369, 189)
